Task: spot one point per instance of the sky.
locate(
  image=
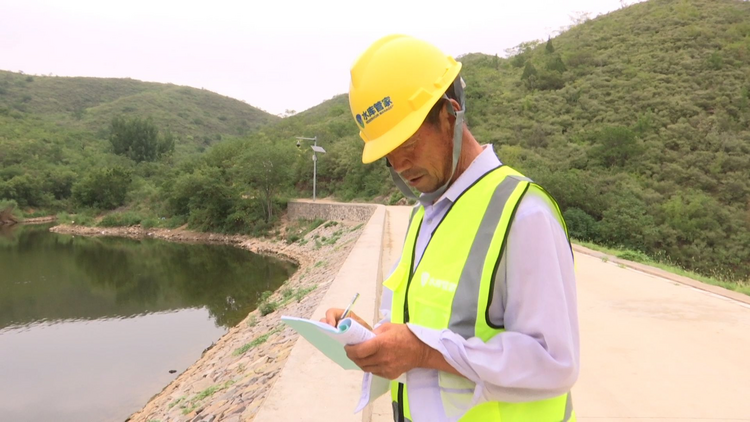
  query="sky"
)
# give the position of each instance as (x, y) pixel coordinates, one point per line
(277, 55)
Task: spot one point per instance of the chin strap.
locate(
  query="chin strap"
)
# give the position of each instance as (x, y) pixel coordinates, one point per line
(458, 130)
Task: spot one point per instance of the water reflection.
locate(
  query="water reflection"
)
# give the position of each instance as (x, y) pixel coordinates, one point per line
(47, 276)
(91, 327)
(96, 370)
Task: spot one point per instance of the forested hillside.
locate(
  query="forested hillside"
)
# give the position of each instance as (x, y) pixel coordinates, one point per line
(638, 122)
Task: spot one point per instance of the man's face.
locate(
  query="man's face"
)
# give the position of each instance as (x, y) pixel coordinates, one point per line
(424, 160)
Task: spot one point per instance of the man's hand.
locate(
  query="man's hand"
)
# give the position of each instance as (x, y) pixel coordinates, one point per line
(393, 351)
(333, 315)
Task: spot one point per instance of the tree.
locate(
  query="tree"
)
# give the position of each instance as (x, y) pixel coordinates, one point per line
(529, 75)
(266, 168)
(104, 188)
(139, 139)
(581, 225)
(520, 54)
(549, 47)
(556, 64)
(615, 146)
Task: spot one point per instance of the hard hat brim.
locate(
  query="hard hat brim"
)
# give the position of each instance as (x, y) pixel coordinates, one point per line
(378, 148)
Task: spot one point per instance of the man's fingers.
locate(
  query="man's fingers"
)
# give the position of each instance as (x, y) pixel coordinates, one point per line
(360, 352)
(373, 369)
(380, 371)
(332, 316)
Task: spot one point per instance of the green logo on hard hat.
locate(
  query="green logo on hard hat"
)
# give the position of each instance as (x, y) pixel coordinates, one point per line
(374, 111)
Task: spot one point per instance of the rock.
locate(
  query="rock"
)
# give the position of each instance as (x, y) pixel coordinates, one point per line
(201, 385)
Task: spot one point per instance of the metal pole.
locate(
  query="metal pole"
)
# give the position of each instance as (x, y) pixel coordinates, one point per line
(315, 169)
(315, 174)
(315, 162)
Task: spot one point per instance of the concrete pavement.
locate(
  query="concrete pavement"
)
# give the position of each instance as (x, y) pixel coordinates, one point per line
(311, 387)
(655, 349)
(396, 224)
(652, 349)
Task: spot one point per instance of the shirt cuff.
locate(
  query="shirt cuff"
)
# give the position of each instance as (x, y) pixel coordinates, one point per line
(438, 340)
(445, 341)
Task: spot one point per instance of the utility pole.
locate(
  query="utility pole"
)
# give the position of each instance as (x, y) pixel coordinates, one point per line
(316, 149)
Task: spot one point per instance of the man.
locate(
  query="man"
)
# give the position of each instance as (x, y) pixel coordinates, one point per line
(481, 309)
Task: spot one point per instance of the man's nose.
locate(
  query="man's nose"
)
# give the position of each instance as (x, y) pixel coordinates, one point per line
(398, 161)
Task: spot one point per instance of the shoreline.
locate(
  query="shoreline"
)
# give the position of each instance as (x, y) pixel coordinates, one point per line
(232, 377)
(262, 246)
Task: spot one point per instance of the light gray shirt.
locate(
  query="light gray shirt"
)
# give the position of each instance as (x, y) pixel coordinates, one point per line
(537, 357)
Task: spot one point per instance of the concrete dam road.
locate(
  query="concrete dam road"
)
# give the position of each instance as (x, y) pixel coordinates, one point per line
(652, 349)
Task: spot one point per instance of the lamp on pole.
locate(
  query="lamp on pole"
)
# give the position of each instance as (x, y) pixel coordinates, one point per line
(316, 149)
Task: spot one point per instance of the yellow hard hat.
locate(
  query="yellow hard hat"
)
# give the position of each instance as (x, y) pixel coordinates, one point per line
(394, 84)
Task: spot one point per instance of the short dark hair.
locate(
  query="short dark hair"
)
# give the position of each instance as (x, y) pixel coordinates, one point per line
(432, 116)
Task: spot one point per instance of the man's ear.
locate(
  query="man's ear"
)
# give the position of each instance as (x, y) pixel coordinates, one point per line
(445, 115)
(456, 105)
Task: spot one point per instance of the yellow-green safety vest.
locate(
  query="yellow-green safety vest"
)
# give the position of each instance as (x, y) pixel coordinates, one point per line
(452, 287)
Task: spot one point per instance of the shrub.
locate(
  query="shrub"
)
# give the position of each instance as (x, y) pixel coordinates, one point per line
(634, 256)
(580, 225)
(124, 219)
(266, 308)
(149, 223)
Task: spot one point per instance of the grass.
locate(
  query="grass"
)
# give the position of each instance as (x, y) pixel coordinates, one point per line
(176, 402)
(636, 256)
(291, 293)
(301, 293)
(84, 218)
(267, 307)
(299, 229)
(256, 342)
(190, 408)
(333, 239)
(210, 391)
(207, 392)
(120, 219)
(252, 321)
(265, 304)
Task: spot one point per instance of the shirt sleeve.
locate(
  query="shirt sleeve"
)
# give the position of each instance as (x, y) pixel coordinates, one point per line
(537, 357)
(386, 298)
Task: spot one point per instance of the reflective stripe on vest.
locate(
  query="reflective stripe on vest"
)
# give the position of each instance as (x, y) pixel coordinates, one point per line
(452, 287)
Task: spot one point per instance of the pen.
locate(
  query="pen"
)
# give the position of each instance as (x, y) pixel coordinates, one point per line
(348, 308)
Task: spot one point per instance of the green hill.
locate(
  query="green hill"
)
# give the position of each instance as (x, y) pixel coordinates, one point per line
(55, 130)
(200, 117)
(638, 122)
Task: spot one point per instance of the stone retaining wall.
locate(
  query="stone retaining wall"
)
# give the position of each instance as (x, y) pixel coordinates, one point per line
(310, 210)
